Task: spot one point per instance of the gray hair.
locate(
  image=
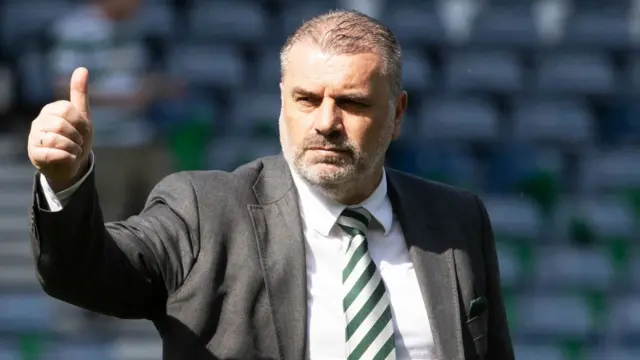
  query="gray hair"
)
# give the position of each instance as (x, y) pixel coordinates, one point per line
(350, 32)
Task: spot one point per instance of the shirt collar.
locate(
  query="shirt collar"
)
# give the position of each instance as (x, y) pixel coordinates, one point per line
(321, 213)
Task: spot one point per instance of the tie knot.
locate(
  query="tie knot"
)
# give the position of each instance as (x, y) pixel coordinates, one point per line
(355, 218)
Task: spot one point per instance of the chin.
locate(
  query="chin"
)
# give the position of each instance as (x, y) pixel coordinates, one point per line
(323, 173)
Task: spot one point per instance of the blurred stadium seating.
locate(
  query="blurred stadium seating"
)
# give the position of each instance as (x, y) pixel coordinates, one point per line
(530, 104)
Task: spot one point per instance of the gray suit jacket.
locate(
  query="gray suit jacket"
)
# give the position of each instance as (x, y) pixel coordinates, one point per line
(217, 261)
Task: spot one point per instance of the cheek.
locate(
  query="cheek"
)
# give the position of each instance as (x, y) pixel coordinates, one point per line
(365, 132)
(292, 128)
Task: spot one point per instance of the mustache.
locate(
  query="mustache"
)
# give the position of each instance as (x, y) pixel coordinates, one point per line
(338, 145)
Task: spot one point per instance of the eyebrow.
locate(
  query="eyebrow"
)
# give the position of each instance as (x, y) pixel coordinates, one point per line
(355, 96)
(303, 92)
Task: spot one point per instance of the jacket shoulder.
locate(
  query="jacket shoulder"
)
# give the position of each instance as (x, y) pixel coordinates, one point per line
(434, 189)
(223, 183)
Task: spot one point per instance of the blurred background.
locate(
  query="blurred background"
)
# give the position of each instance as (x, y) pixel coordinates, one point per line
(532, 104)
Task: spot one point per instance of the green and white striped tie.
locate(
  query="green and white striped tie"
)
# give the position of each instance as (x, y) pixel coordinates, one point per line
(369, 333)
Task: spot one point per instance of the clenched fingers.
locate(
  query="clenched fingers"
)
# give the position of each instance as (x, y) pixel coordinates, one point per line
(64, 110)
(46, 156)
(59, 125)
(51, 140)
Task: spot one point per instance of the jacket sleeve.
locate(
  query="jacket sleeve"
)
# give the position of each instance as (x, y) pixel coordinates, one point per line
(124, 269)
(499, 339)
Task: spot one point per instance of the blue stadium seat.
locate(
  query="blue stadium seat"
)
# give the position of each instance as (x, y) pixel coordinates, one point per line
(514, 162)
(607, 216)
(216, 66)
(505, 26)
(326, 4)
(513, 216)
(268, 68)
(67, 350)
(580, 73)
(448, 162)
(232, 151)
(624, 320)
(157, 18)
(561, 121)
(615, 353)
(256, 111)
(17, 274)
(34, 76)
(567, 268)
(7, 89)
(20, 24)
(9, 351)
(599, 28)
(633, 73)
(292, 16)
(26, 312)
(610, 170)
(554, 316)
(511, 268)
(228, 21)
(495, 71)
(537, 352)
(416, 71)
(416, 24)
(459, 119)
(136, 349)
(633, 276)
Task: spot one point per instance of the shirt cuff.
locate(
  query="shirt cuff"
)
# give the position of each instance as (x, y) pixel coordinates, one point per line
(57, 201)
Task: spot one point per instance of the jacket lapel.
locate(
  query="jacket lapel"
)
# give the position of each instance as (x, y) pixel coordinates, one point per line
(278, 231)
(432, 256)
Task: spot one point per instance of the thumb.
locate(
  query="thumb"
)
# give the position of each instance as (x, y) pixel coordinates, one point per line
(79, 96)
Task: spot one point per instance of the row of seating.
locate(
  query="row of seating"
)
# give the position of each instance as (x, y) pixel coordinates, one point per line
(534, 315)
(609, 268)
(519, 217)
(413, 22)
(131, 350)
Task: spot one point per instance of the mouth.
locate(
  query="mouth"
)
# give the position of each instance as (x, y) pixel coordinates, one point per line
(329, 150)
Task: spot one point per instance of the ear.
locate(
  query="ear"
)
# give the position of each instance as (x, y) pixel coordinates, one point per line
(400, 108)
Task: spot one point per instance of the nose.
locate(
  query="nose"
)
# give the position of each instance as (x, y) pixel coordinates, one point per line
(328, 121)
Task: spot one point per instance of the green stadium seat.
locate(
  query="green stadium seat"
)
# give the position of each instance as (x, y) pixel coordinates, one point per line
(603, 218)
(543, 188)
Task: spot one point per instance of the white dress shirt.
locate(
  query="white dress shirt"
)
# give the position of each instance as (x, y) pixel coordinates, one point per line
(388, 249)
(324, 251)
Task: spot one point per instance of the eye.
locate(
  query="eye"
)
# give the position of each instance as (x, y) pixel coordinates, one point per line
(306, 101)
(353, 104)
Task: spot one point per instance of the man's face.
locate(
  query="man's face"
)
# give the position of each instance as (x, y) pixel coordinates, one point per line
(338, 114)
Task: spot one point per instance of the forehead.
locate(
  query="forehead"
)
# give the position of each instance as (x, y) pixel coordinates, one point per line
(309, 66)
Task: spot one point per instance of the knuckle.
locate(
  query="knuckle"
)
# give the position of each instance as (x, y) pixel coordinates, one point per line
(57, 125)
(59, 108)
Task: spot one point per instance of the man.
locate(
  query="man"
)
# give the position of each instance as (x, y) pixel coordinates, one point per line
(320, 253)
(100, 34)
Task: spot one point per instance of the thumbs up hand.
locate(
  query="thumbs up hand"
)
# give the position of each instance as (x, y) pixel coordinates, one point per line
(61, 137)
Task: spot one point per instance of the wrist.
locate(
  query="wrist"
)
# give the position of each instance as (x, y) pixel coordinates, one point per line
(59, 185)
